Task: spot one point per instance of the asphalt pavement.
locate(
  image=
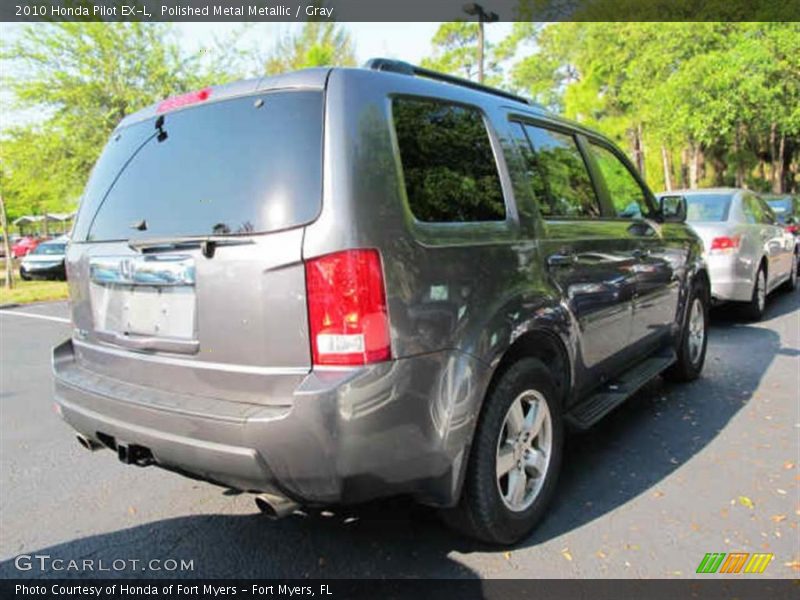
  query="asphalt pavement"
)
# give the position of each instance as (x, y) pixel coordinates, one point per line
(677, 472)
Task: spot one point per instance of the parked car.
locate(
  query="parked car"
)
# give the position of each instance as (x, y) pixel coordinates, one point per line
(786, 209)
(24, 245)
(415, 298)
(12, 238)
(747, 251)
(46, 261)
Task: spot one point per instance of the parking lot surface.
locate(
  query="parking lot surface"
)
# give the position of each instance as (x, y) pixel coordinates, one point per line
(677, 472)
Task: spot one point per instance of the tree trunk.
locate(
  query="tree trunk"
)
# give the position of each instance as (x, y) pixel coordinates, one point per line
(773, 157)
(638, 149)
(6, 245)
(480, 51)
(694, 165)
(737, 151)
(642, 164)
(684, 168)
(667, 162)
(779, 185)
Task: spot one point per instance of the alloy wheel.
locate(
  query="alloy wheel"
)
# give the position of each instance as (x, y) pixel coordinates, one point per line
(697, 331)
(523, 450)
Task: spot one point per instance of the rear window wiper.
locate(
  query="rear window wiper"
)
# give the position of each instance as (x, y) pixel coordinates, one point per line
(207, 243)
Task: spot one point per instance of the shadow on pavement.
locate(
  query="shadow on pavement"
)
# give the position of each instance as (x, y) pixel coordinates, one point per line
(627, 454)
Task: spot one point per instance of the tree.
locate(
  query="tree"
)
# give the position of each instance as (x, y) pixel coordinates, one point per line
(720, 99)
(456, 52)
(317, 44)
(9, 269)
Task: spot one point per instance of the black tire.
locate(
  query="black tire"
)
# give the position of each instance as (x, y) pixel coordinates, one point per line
(791, 283)
(689, 365)
(24, 276)
(482, 512)
(752, 309)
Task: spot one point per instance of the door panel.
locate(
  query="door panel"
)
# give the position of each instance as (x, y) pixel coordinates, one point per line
(595, 270)
(656, 300)
(590, 260)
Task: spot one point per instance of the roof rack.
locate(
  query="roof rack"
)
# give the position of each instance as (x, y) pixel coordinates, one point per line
(404, 68)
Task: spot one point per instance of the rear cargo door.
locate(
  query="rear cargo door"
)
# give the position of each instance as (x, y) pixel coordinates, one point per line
(186, 270)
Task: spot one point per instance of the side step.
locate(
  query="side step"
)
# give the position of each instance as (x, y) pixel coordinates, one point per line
(610, 396)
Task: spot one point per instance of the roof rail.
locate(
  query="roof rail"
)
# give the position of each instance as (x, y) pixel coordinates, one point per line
(404, 68)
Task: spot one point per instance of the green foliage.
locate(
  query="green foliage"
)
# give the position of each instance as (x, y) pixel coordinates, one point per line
(317, 44)
(456, 52)
(726, 93)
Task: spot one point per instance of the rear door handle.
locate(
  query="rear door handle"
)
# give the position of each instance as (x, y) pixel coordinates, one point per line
(561, 260)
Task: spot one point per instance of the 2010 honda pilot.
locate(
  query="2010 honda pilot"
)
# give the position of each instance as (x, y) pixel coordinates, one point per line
(340, 284)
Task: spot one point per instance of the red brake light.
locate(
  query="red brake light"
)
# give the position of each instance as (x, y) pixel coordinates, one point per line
(725, 243)
(348, 319)
(184, 100)
(792, 228)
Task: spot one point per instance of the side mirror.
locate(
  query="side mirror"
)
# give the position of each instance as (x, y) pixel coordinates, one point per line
(673, 208)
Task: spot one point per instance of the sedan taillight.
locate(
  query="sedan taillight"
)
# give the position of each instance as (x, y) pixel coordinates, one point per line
(725, 244)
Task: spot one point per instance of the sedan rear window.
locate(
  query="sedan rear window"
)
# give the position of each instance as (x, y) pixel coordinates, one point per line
(241, 166)
(50, 249)
(707, 207)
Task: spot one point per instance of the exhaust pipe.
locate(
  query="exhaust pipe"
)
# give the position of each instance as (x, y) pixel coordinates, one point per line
(275, 507)
(90, 445)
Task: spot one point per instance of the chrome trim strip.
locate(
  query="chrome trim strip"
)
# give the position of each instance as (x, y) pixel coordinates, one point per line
(151, 270)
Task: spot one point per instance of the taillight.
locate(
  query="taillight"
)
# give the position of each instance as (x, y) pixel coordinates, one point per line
(725, 244)
(184, 100)
(792, 228)
(348, 319)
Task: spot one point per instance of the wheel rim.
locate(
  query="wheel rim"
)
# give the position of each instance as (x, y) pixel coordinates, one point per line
(761, 290)
(523, 450)
(697, 331)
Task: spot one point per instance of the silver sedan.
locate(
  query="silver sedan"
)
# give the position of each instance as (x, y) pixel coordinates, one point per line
(748, 253)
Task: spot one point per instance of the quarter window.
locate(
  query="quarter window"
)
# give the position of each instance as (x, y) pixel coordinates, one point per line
(449, 168)
(753, 211)
(557, 173)
(628, 197)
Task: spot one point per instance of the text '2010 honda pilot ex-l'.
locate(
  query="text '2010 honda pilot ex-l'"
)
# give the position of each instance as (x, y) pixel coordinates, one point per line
(342, 284)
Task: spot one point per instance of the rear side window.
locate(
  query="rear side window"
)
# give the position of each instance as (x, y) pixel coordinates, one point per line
(557, 174)
(449, 168)
(707, 207)
(239, 166)
(628, 197)
(755, 211)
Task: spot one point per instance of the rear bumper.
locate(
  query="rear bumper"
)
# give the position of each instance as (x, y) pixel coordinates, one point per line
(731, 277)
(50, 272)
(348, 435)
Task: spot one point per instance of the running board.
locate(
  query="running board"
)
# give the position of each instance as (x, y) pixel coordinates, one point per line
(595, 407)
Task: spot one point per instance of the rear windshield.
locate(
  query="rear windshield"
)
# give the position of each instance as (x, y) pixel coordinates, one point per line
(708, 207)
(240, 166)
(50, 249)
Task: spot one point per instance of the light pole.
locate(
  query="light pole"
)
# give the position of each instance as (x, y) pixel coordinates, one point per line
(476, 10)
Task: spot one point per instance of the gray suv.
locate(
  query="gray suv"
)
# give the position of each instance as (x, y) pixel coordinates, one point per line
(341, 284)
